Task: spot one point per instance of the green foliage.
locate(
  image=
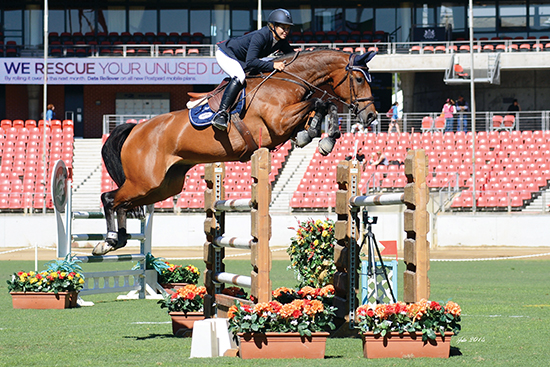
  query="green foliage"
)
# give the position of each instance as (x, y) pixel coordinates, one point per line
(312, 253)
(68, 264)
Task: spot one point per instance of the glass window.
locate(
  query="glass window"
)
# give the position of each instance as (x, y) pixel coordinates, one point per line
(34, 27)
(56, 20)
(112, 20)
(539, 16)
(200, 21)
(301, 17)
(240, 23)
(13, 26)
(174, 20)
(220, 29)
(142, 20)
(385, 20)
(485, 17)
(453, 16)
(512, 14)
(359, 19)
(424, 16)
(329, 19)
(80, 20)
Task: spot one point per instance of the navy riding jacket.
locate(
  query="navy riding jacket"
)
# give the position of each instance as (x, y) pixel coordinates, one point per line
(250, 48)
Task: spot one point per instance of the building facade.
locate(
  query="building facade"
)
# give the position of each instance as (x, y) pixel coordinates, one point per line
(393, 27)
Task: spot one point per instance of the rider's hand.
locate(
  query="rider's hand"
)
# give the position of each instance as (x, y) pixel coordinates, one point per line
(279, 65)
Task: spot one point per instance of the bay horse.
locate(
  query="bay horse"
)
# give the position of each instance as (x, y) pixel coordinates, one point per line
(148, 161)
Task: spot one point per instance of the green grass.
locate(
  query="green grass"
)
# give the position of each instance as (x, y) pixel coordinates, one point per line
(505, 305)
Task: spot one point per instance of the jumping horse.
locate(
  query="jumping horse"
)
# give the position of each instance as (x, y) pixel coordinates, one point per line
(148, 161)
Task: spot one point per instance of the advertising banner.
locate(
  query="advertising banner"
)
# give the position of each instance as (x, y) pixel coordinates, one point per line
(111, 71)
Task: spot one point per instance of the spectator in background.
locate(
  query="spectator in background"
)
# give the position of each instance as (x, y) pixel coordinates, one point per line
(448, 112)
(514, 107)
(50, 114)
(378, 158)
(461, 107)
(394, 119)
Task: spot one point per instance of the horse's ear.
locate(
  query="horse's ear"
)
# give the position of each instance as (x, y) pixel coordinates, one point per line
(363, 59)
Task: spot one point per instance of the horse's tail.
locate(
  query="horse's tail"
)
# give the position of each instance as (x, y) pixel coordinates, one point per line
(111, 152)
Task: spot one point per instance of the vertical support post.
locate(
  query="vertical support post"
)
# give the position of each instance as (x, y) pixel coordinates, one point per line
(214, 226)
(416, 247)
(261, 226)
(346, 231)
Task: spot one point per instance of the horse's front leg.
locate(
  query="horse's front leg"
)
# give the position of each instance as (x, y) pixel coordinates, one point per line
(327, 144)
(305, 137)
(112, 236)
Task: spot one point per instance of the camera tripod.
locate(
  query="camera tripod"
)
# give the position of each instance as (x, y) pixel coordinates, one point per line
(372, 246)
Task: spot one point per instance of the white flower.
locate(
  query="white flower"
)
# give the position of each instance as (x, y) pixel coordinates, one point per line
(294, 322)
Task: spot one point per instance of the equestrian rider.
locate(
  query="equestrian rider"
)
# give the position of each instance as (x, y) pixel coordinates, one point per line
(243, 54)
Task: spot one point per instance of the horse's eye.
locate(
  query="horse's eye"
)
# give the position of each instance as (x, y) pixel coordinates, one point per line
(359, 80)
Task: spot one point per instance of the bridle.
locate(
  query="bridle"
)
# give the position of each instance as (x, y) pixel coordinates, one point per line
(353, 106)
(350, 68)
(354, 100)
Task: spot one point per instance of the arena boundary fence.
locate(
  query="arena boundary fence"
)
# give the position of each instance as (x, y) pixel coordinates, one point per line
(216, 207)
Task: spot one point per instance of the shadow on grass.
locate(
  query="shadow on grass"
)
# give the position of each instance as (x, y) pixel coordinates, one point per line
(455, 352)
(153, 336)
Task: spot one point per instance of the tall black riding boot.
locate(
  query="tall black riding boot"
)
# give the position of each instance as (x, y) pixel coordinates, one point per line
(229, 96)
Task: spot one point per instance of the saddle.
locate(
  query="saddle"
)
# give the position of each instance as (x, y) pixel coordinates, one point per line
(213, 98)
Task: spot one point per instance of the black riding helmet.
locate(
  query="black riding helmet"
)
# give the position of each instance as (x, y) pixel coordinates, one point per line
(280, 16)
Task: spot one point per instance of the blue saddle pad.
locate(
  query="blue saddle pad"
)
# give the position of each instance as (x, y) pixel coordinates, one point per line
(202, 115)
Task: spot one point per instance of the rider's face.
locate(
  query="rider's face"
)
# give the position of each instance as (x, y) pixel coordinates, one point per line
(282, 30)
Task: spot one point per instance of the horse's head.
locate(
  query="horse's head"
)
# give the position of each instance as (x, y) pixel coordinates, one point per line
(354, 87)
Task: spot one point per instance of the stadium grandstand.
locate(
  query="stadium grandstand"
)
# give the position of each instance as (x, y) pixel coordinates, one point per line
(115, 62)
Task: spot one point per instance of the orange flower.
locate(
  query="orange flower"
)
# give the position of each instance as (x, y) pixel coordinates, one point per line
(260, 308)
(277, 292)
(313, 307)
(231, 312)
(453, 308)
(327, 290)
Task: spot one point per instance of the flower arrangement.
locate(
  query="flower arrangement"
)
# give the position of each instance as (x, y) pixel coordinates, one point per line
(186, 299)
(179, 274)
(60, 276)
(312, 253)
(427, 316)
(46, 281)
(287, 295)
(301, 315)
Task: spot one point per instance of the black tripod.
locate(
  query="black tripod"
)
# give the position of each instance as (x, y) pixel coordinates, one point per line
(372, 245)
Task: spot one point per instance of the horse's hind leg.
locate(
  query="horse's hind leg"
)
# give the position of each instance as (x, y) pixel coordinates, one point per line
(327, 144)
(111, 241)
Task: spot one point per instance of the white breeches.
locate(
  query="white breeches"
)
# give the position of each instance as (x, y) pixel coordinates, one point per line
(231, 66)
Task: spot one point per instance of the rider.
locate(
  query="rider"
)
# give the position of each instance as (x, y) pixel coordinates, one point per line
(243, 54)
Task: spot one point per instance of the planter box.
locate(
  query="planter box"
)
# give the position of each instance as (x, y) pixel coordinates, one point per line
(44, 300)
(182, 324)
(282, 345)
(395, 345)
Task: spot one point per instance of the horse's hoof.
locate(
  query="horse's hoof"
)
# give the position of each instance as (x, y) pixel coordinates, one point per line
(326, 145)
(102, 248)
(303, 138)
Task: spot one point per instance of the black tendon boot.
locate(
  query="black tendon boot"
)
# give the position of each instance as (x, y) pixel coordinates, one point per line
(229, 96)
